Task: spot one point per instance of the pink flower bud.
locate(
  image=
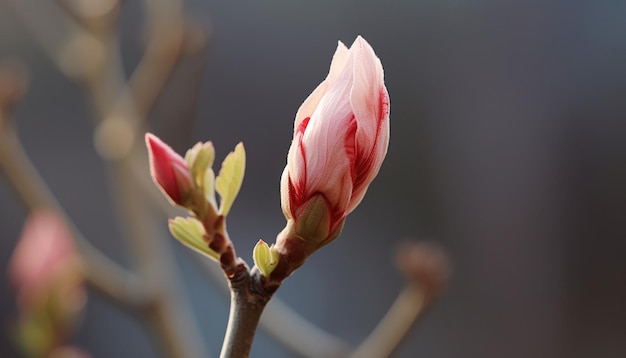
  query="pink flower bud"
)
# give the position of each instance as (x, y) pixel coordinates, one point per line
(168, 170)
(341, 134)
(45, 254)
(68, 352)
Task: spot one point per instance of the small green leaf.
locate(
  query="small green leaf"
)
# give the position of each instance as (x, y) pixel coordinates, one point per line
(199, 158)
(209, 187)
(265, 258)
(191, 154)
(229, 180)
(190, 232)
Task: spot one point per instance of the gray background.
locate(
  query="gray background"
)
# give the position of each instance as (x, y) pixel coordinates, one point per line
(508, 147)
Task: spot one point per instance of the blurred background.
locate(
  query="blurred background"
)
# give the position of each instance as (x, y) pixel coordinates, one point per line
(508, 147)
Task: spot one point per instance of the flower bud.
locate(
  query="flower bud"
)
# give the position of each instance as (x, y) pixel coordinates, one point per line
(341, 134)
(191, 183)
(169, 170)
(44, 254)
(47, 273)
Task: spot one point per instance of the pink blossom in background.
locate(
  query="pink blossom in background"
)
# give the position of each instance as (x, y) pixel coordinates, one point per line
(44, 252)
(68, 352)
(341, 135)
(168, 169)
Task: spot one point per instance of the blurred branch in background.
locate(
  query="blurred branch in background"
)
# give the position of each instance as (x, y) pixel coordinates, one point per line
(427, 269)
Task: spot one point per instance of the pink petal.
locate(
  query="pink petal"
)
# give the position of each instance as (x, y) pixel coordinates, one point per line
(341, 134)
(286, 194)
(168, 168)
(324, 142)
(370, 103)
(308, 106)
(365, 96)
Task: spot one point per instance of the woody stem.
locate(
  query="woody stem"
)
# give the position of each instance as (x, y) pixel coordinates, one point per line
(248, 299)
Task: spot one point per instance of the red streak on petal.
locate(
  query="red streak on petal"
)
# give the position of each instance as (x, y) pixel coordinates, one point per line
(384, 105)
(302, 127)
(299, 189)
(364, 164)
(350, 145)
(293, 201)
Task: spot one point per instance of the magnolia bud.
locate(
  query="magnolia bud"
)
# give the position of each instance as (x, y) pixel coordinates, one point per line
(45, 255)
(47, 273)
(341, 134)
(169, 170)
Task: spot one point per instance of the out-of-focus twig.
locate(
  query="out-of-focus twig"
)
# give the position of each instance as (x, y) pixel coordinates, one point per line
(166, 29)
(403, 313)
(94, 16)
(176, 114)
(427, 269)
(43, 24)
(298, 334)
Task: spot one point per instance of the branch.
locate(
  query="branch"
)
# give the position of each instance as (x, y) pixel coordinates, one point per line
(248, 299)
(428, 269)
(287, 327)
(166, 30)
(394, 326)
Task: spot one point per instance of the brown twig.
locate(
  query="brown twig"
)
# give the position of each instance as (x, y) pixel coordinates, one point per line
(166, 30)
(427, 269)
(248, 299)
(394, 326)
